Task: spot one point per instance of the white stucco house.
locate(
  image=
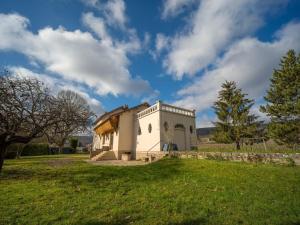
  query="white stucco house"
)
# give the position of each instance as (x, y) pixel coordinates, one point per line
(143, 130)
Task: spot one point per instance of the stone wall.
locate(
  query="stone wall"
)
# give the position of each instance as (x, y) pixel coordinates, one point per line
(278, 158)
(154, 154)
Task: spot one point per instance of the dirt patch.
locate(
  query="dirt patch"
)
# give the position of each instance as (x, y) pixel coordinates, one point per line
(117, 163)
(59, 162)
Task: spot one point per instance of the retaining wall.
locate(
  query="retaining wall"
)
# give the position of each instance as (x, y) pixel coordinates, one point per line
(278, 158)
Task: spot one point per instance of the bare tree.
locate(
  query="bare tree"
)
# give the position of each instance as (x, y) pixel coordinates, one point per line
(26, 110)
(74, 117)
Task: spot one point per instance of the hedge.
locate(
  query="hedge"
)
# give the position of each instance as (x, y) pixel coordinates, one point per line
(12, 150)
(68, 150)
(35, 149)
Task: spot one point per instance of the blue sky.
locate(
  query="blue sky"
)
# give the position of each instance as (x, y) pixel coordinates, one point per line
(125, 52)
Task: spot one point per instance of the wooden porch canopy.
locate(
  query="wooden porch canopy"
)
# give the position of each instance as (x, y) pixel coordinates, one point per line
(107, 126)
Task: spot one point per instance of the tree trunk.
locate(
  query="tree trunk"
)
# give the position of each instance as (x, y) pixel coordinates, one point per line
(19, 150)
(60, 149)
(238, 146)
(2, 154)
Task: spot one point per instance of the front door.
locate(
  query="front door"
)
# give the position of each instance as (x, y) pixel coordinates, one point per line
(111, 140)
(179, 138)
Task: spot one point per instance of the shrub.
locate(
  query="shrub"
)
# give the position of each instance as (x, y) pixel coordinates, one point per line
(35, 149)
(68, 150)
(53, 150)
(194, 148)
(10, 155)
(290, 162)
(73, 142)
(14, 150)
(85, 149)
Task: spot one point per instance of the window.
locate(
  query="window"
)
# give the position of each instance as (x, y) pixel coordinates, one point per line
(103, 139)
(166, 126)
(179, 126)
(191, 129)
(149, 127)
(139, 131)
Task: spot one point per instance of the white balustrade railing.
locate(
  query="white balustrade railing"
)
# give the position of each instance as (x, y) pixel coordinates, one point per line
(174, 109)
(147, 111)
(165, 107)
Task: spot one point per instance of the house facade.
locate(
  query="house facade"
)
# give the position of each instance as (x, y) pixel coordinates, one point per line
(143, 130)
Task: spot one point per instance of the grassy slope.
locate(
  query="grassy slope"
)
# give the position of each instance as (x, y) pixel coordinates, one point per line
(54, 190)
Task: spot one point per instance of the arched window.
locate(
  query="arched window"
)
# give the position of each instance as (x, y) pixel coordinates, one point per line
(149, 127)
(179, 126)
(166, 126)
(139, 131)
(191, 129)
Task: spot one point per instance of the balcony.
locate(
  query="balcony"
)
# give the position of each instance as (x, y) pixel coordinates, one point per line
(167, 108)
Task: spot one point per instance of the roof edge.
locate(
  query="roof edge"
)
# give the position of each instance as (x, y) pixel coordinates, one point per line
(123, 107)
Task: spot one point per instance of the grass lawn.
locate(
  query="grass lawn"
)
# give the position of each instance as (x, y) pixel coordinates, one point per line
(67, 190)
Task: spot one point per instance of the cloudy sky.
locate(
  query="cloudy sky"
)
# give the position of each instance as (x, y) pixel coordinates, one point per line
(126, 52)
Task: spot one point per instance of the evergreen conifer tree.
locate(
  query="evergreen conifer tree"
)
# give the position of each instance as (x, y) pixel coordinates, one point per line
(234, 118)
(283, 101)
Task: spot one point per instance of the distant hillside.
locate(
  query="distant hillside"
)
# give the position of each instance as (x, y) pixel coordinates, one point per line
(205, 131)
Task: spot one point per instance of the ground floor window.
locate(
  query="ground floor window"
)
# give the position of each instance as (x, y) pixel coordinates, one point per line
(191, 129)
(149, 127)
(166, 126)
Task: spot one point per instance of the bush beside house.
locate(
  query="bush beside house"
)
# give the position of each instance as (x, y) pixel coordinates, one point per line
(35, 149)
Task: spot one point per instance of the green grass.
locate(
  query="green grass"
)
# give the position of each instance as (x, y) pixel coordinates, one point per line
(67, 190)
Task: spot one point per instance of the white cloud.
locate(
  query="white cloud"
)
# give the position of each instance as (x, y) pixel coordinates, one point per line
(114, 15)
(174, 7)
(76, 55)
(249, 62)
(261, 116)
(147, 39)
(92, 3)
(205, 121)
(55, 85)
(97, 25)
(162, 42)
(115, 12)
(211, 28)
(152, 97)
(132, 45)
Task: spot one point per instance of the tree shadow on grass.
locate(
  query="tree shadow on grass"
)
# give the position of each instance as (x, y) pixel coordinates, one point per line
(97, 222)
(196, 221)
(292, 223)
(120, 219)
(124, 221)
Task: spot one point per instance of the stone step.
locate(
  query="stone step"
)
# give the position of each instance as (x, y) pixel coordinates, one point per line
(106, 155)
